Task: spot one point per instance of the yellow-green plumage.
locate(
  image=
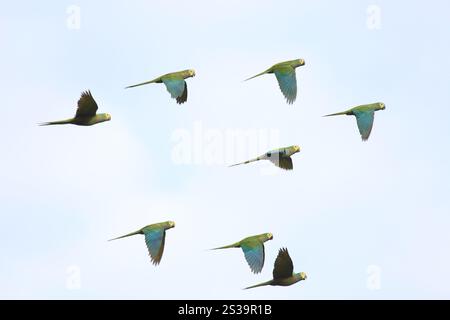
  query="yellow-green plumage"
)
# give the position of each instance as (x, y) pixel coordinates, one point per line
(365, 115)
(253, 248)
(283, 272)
(155, 237)
(286, 77)
(86, 114)
(175, 84)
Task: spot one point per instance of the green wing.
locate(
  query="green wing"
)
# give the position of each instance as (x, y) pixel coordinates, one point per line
(177, 89)
(364, 120)
(87, 107)
(254, 254)
(155, 239)
(283, 265)
(287, 82)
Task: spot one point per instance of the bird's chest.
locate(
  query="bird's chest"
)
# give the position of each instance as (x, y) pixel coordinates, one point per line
(286, 282)
(85, 121)
(275, 154)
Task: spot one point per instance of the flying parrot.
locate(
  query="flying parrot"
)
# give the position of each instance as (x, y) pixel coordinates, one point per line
(280, 157)
(175, 84)
(155, 236)
(364, 117)
(253, 248)
(283, 272)
(86, 114)
(285, 73)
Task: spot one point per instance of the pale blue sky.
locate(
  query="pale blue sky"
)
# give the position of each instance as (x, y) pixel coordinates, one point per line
(347, 205)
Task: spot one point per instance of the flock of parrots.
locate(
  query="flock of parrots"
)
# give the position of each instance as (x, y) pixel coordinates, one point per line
(253, 247)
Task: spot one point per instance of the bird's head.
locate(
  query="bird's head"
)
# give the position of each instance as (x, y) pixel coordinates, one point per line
(191, 73)
(103, 117)
(296, 148)
(269, 236)
(302, 276)
(298, 63)
(171, 224)
(381, 106)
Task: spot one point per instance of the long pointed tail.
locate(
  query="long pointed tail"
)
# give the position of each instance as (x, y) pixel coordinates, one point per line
(259, 74)
(245, 162)
(127, 235)
(337, 114)
(267, 283)
(50, 123)
(234, 245)
(141, 84)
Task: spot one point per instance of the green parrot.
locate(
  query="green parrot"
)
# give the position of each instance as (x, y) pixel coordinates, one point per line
(253, 248)
(285, 73)
(283, 272)
(175, 84)
(86, 114)
(365, 115)
(280, 157)
(155, 236)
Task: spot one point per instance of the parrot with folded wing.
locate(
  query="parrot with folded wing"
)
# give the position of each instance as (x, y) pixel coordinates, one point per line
(280, 157)
(86, 114)
(175, 84)
(155, 236)
(283, 272)
(285, 74)
(253, 248)
(365, 115)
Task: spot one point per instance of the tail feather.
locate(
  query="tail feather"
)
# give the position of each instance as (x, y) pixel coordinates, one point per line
(234, 245)
(245, 162)
(259, 74)
(141, 84)
(337, 114)
(267, 283)
(127, 235)
(50, 123)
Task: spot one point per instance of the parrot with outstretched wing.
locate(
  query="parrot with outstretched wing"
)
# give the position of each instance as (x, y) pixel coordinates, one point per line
(155, 237)
(253, 248)
(283, 272)
(175, 84)
(86, 114)
(285, 74)
(365, 115)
